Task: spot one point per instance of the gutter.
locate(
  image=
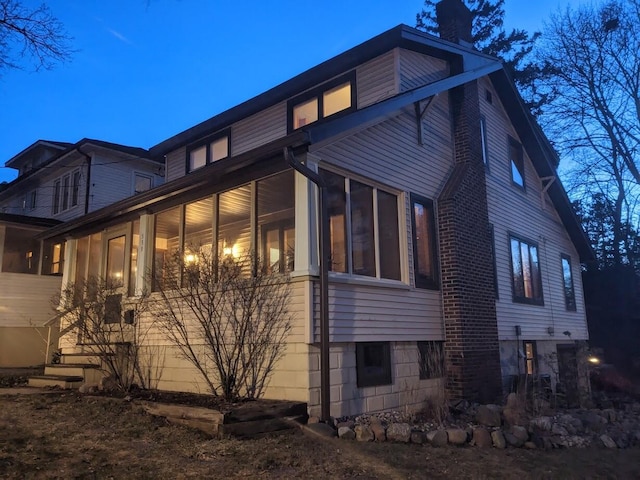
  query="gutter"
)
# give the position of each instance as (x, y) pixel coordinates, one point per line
(325, 392)
(86, 191)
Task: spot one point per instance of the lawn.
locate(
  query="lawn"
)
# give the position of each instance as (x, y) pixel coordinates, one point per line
(67, 435)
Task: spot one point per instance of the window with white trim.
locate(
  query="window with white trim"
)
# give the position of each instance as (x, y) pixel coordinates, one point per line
(141, 183)
(363, 228)
(66, 192)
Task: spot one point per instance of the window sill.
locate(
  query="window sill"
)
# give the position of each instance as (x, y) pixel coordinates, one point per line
(367, 281)
(528, 301)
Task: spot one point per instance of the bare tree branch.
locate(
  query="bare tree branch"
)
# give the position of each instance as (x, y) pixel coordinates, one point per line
(31, 36)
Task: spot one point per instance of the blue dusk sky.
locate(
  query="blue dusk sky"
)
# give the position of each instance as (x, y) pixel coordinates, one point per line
(144, 70)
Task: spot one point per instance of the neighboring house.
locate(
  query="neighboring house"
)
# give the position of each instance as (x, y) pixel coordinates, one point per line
(56, 182)
(451, 236)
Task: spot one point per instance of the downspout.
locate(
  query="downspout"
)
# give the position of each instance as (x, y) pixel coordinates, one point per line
(325, 393)
(86, 190)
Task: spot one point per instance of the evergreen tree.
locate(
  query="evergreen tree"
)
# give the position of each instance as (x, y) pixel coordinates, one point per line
(490, 37)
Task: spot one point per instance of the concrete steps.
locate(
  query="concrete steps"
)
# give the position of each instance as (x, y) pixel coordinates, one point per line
(73, 370)
(60, 381)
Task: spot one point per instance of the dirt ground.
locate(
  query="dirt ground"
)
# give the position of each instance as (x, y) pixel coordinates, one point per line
(67, 435)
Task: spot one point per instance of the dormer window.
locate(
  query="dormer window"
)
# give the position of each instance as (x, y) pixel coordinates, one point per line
(322, 102)
(208, 151)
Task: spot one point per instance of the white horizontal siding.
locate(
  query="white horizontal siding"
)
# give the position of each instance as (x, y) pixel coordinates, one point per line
(417, 69)
(259, 129)
(25, 300)
(377, 79)
(175, 164)
(390, 155)
(518, 212)
(112, 179)
(389, 152)
(359, 313)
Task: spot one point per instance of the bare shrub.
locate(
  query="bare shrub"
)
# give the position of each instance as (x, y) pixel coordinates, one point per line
(110, 327)
(229, 317)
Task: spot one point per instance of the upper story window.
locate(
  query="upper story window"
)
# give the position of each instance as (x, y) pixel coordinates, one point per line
(363, 228)
(141, 183)
(526, 276)
(208, 151)
(567, 283)
(516, 162)
(21, 251)
(30, 201)
(322, 102)
(483, 139)
(424, 242)
(66, 192)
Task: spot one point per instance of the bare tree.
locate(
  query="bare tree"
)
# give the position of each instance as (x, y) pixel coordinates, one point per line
(33, 33)
(229, 317)
(114, 331)
(594, 117)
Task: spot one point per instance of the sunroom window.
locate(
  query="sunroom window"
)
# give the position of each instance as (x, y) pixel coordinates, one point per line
(363, 228)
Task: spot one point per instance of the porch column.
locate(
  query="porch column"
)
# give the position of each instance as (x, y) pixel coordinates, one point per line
(145, 255)
(68, 267)
(306, 214)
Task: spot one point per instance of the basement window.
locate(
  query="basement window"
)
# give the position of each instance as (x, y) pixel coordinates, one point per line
(373, 363)
(322, 102)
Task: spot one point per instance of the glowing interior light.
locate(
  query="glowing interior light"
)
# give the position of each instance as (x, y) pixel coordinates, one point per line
(190, 258)
(233, 251)
(594, 360)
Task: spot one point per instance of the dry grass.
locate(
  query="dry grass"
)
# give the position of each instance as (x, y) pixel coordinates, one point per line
(70, 436)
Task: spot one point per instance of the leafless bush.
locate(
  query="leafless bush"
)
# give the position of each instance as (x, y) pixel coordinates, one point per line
(111, 328)
(227, 316)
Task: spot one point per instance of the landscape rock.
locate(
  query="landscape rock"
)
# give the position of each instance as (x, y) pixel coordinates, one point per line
(482, 438)
(399, 432)
(379, 432)
(514, 412)
(438, 438)
(312, 420)
(607, 441)
(498, 439)
(512, 440)
(558, 429)
(418, 437)
(520, 433)
(488, 416)
(346, 433)
(541, 423)
(364, 433)
(530, 445)
(457, 436)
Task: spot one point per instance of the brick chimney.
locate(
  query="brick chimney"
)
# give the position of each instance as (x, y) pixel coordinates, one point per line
(472, 356)
(454, 21)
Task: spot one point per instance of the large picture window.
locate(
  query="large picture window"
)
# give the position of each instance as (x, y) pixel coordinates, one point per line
(424, 242)
(525, 268)
(363, 228)
(255, 218)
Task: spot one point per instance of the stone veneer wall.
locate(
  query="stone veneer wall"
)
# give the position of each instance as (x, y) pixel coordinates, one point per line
(406, 393)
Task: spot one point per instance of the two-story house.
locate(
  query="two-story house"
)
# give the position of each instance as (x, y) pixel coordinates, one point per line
(450, 234)
(56, 182)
